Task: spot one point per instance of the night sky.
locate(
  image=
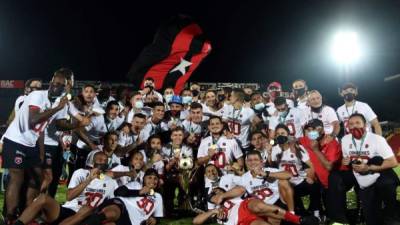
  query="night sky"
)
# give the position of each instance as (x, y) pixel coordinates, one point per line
(262, 41)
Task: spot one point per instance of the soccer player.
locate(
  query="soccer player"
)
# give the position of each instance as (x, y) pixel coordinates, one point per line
(195, 126)
(349, 93)
(133, 205)
(369, 160)
(293, 118)
(21, 153)
(240, 118)
(218, 149)
(110, 142)
(131, 173)
(300, 89)
(155, 124)
(86, 191)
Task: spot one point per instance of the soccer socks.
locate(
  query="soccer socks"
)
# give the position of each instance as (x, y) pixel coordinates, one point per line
(290, 217)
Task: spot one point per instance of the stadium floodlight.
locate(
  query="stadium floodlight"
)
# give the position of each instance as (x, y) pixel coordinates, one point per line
(346, 48)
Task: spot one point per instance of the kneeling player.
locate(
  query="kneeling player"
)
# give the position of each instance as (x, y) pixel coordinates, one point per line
(86, 191)
(133, 205)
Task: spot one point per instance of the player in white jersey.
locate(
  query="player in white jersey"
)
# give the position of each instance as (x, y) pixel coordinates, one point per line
(300, 89)
(133, 205)
(232, 210)
(212, 106)
(261, 143)
(349, 92)
(217, 149)
(289, 156)
(110, 141)
(293, 118)
(369, 160)
(195, 125)
(326, 114)
(20, 150)
(155, 124)
(86, 191)
(137, 106)
(240, 118)
(131, 173)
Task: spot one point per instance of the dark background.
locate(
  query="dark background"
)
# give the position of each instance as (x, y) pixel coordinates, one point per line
(253, 41)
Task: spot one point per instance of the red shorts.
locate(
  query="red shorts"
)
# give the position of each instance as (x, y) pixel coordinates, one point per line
(246, 217)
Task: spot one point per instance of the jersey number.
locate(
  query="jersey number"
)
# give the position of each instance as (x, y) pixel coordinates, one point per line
(263, 193)
(219, 159)
(146, 204)
(93, 199)
(234, 127)
(291, 169)
(292, 129)
(40, 127)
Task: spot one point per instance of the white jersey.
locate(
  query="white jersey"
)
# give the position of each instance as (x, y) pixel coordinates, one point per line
(99, 126)
(327, 116)
(94, 194)
(51, 133)
(18, 103)
(226, 182)
(261, 188)
(344, 113)
(167, 152)
(191, 128)
(290, 163)
(141, 208)
(19, 130)
(294, 120)
(150, 128)
(239, 122)
(112, 162)
(227, 151)
(372, 145)
(271, 106)
(125, 179)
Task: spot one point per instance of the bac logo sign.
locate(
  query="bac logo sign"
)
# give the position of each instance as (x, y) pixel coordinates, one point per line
(11, 84)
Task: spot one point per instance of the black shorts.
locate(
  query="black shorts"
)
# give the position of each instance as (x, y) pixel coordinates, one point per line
(124, 217)
(280, 204)
(64, 213)
(50, 155)
(19, 156)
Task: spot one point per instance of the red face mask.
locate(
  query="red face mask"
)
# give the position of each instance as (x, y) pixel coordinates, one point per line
(357, 132)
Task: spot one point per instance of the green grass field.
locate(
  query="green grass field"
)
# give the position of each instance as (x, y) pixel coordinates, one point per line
(62, 190)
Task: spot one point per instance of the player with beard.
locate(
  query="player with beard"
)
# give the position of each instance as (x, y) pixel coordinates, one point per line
(349, 92)
(212, 106)
(369, 160)
(148, 91)
(240, 118)
(86, 191)
(218, 149)
(23, 143)
(318, 110)
(133, 204)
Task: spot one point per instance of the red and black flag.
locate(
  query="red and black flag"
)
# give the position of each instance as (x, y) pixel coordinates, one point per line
(177, 50)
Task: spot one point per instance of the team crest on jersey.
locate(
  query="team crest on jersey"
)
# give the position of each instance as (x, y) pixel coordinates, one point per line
(291, 156)
(366, 145)
(320, 116)
(223, 144)
(291, 115)
(18, 160)
(351, 146)
(104, 185)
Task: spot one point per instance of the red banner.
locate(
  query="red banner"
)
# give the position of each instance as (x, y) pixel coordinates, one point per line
(12, 84)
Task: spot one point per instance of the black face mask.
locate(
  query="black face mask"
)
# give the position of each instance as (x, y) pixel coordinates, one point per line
(280, 140)
(299, 92)
(102, 167)
(349, 97)
(221, 98)
(195, 93)
(247, 98)
(149, 86)
(103, 95)
(317, 109)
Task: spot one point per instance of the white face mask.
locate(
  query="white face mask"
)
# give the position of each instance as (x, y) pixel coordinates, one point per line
(187, 99)
(259, 106)
(168, 98)
(139, 104)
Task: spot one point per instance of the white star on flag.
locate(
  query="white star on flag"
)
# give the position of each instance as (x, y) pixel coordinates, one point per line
(181, 67)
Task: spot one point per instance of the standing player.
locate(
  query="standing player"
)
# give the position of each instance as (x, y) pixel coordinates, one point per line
(299, 88)
(349, 92)
(217, 149)
(240, 118)
(134, 205)
(20, 150)
(293, 118)
(370, 160)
